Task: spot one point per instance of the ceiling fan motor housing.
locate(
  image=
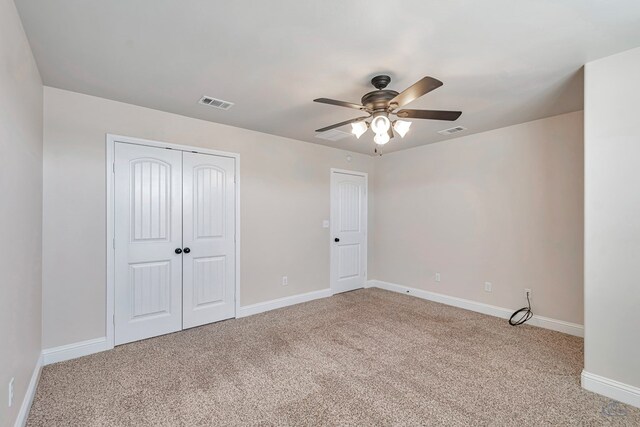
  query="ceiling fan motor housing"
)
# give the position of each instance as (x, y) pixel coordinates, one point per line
(378, 99)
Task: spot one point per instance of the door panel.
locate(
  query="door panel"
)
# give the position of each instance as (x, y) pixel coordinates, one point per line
(349, 205)
(349, 227)
(208, 276)
(148, 223)
(209, 233)
(150, 199)
(150, 289)
(348, 260)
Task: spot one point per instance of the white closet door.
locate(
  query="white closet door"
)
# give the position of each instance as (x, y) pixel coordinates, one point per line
(349, 231)
(148, 230)
(208, 239)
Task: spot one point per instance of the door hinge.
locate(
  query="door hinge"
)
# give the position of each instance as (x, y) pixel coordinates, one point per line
(114, 243)
(114, 167)
(114, 319)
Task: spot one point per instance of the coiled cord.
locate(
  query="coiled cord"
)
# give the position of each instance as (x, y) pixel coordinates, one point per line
(526, 314)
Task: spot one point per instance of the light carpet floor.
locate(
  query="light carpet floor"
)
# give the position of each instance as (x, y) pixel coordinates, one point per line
(368, 357)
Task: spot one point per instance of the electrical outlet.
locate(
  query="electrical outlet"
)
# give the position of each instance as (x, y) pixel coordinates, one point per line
(285, 280)
(437, 277)
(11, 392)
(487, 286)
(527, 291)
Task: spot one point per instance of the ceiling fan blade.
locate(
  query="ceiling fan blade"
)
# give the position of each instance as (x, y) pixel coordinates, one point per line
(429, 114)
(419, 88)
(340, 103)
(337, 125)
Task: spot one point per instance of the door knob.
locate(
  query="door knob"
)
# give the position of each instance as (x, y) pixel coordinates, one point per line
(178, 250)
(336, 240)
(187, 250)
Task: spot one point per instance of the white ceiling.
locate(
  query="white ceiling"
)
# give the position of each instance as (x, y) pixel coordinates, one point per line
(502, 61)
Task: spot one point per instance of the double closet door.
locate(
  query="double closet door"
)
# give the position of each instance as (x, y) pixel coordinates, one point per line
(174, 240)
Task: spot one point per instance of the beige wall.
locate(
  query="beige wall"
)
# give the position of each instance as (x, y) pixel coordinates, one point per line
(612, 218)
(504, 206)
(284, 198)
(20, 211)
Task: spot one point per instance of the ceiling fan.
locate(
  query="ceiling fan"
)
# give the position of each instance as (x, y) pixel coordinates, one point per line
(382, 102)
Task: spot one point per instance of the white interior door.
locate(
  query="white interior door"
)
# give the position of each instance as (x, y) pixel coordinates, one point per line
(348, 231)
(208, 239)
(148, 230)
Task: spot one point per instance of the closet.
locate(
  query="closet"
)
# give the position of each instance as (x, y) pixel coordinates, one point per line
(174, 246)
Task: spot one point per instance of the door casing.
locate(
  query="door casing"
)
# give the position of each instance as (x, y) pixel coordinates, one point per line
(332, 247)
(111, 140)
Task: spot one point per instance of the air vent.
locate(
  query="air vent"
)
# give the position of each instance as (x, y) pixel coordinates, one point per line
(215, 103)
(452, 130)
(333, 135)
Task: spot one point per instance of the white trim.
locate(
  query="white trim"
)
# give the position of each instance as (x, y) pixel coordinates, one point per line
(237, 241)
(110, 277)
(84, 348)
(365, 175)
(610, 388)
(75, 350)
(160, 144)
(111, 250)
(261, 307)
(491, 310)
(23, 414)
(570, 328)
(350, 172)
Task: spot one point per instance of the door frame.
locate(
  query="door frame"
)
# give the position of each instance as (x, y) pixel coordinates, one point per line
(110, 143)
(365, 175)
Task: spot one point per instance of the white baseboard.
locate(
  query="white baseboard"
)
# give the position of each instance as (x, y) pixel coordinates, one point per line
(557, 325)
(492, 310)
(613, 389)
(84, 348)
(75, 350)
(261, 307)
(23, 414)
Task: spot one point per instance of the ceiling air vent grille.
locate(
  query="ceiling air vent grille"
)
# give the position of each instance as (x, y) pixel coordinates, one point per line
(452, 130)
(215, 103)
(333, 135)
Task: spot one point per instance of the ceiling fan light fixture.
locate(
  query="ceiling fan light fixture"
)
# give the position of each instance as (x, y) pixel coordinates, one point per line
(381, 138)
(358, 128)
(402, 127)
(380, 124)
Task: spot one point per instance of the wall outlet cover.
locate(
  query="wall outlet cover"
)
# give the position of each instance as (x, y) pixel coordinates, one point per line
(437, 277)
(487, 286)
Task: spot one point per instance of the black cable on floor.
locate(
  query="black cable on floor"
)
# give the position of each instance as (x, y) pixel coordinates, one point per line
(526, 314)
